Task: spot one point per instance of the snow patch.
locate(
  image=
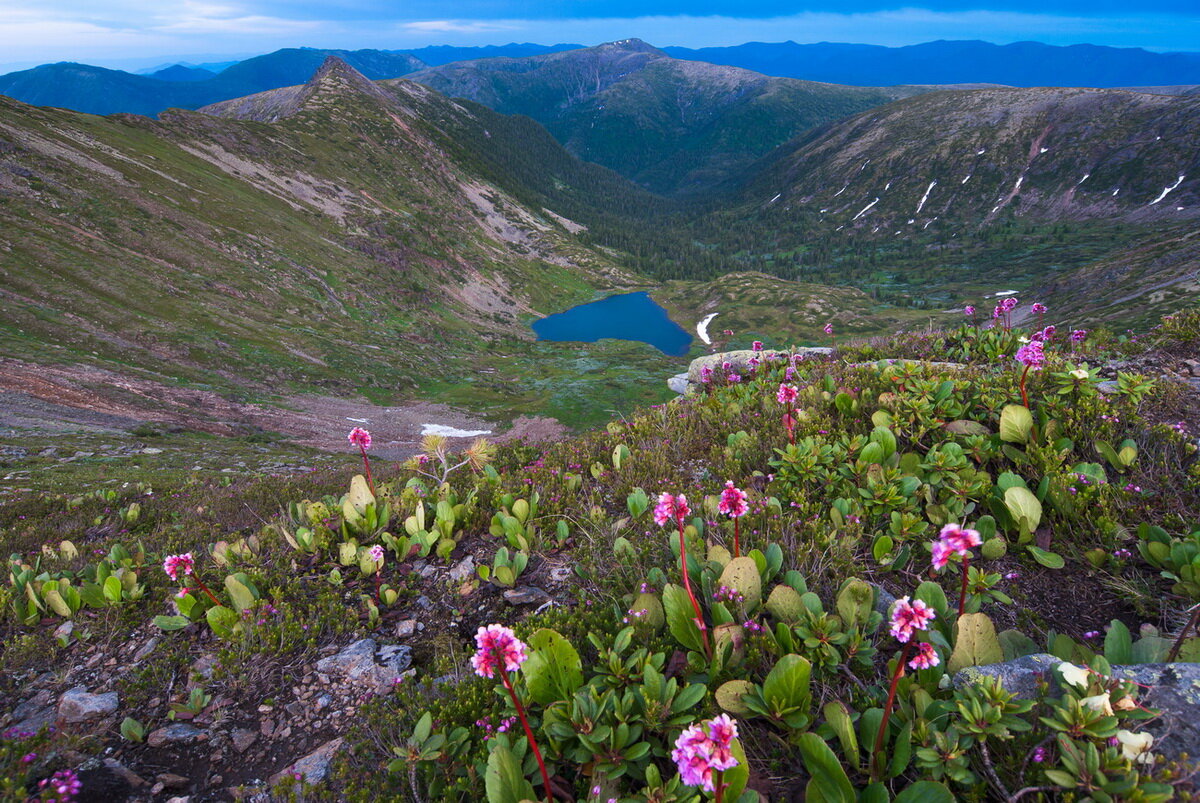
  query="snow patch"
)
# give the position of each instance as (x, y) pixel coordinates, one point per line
(452, 432)
(864, 167)
(887, 187)
(1118, 189)
(1166, 191)
(1085, 178)
(1003, 293)
(927, 222)
(776, 198)
(358, 420)
(968, 178)
(981, 152)
(839, 192)
(1044, 150)
(925, 197)
(864, 210)
(702, 328)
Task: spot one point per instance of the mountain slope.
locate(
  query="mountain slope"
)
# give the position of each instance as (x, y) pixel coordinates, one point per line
(99, 91)
(340, 248)
(673, 126)
(955, 62)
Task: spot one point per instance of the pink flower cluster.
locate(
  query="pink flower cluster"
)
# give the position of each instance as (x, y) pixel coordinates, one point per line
(1038, 308)
(733, 501)
(498, 647)
(909, 616)
(671, 508)
(64, 783)
(968, 310)
(926, 657)
(757, 345)
(1079, 335)
(699, 752)
(177, 566)
(1031, 355)
(828, 328)
(376, 555)
(953, 540)
(787, 394)
(360, 438)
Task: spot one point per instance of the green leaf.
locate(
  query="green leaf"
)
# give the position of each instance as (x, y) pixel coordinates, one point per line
(681, 618)
(1022, 504)
(504, 780)
(222, 620)
(239, 592)
(828, 775)
(1051, 560)
(738, 776)
(553, 670)
(786, 688)
(1016, 424)
(977, 643)
(1118, 644)
(112, 588)
(171, 622)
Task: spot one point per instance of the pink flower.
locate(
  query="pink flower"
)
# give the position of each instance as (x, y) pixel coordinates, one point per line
(926, 657)
(953, 540)
(733, 378)
(671, 508)
(941, 555)
(177, 566)
(787, 394)
(757, 345)
(909, 617)
(699, 752)
(1038, 308)
(1048, 333)
(1079, 335)
(733, 501)
(968, 310)
(1031, 354)
(997, 312)
(500, 648)
(1009, 304)
(828, 328)
(706, 373)
(376, 554)
(360, 438)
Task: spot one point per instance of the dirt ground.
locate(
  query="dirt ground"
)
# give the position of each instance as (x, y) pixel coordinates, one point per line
(58, 398)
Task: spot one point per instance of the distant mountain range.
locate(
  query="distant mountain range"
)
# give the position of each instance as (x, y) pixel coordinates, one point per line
(957, 62)
(676, 127)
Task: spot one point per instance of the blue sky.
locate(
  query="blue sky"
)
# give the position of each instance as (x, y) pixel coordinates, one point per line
(130, 33)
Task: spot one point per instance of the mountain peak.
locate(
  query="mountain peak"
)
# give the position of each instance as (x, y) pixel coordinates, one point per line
(333, 79)
(631, 46)
(335, 74)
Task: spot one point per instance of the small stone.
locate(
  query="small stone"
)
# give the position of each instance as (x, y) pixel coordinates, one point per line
(679, 384)
(525, 595)
(463, 569)
(314, 767)
(145, 650)
(121, 771)
(178, 733)
(323, 702)
(243, 738)
(170, 780)
(424, 602)
(78, 705)
(406, 627)
(63, 632)
(151, 450)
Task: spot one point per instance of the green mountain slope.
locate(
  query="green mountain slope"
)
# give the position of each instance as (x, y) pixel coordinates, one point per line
(673, 126)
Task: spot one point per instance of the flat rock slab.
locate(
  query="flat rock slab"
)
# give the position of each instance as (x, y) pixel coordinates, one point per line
(740, 360)
(79, 705)
(365, 662)
(173, 734)
(314, 767)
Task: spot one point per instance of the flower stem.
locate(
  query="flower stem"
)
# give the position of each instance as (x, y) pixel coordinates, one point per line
(204, 588)
(687, 584)
(367, 468)
(887, 710)
(737, 544)
(962, 594)
(719, 784)
(1024, 395)
(528, 733)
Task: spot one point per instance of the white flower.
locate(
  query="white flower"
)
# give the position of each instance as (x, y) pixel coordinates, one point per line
(1136, 746)
(1100, 702)
(1079, 373)
(1075, 675)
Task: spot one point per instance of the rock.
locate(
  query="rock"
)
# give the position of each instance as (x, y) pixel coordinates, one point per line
(357, 664)
(406, 627)
(525, 595)
(463, 569)
(78, 705)
(1107, 386)
(243, 738)
(105, 779)
(940, 366)
(151, 450)
(314, 767)
(884, 599)
(424, 603)
(120, 770)
(63, 632)
(178, 733)
(740, 360)
(679, 384)
(1174, 689)
(1020, 676)
(170, 780)
(146, 649)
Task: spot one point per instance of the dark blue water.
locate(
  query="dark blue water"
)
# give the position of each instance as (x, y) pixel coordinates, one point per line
(632, 316)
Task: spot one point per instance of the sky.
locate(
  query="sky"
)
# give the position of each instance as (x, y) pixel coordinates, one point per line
(130, 34)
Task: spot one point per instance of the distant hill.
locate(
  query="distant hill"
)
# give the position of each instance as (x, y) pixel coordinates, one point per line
(956, 62)
(676, 127)
(178, 72)
(437, 55)
(97, 90)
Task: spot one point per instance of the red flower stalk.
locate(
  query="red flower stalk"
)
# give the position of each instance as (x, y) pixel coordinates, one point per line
(362, 439)
(676, 507)
(907, 618)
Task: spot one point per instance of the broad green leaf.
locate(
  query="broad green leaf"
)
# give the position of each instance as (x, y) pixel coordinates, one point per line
(504, 780)
(976, 643)
(553, 670)
(1051, 560)
(242, 596)
(222, 620)
(1016, 424)
(1118, 644)
(171, 622)
(1022, 504)
(926, 792)
(681, 617)
(786, 687)
(828, 775)
(112, 588)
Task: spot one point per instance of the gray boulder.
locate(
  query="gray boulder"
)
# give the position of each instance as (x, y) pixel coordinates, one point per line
(78, 705)
(358, 664)
(740, 360)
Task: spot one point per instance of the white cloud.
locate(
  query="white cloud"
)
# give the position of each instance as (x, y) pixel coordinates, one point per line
(457, 26)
